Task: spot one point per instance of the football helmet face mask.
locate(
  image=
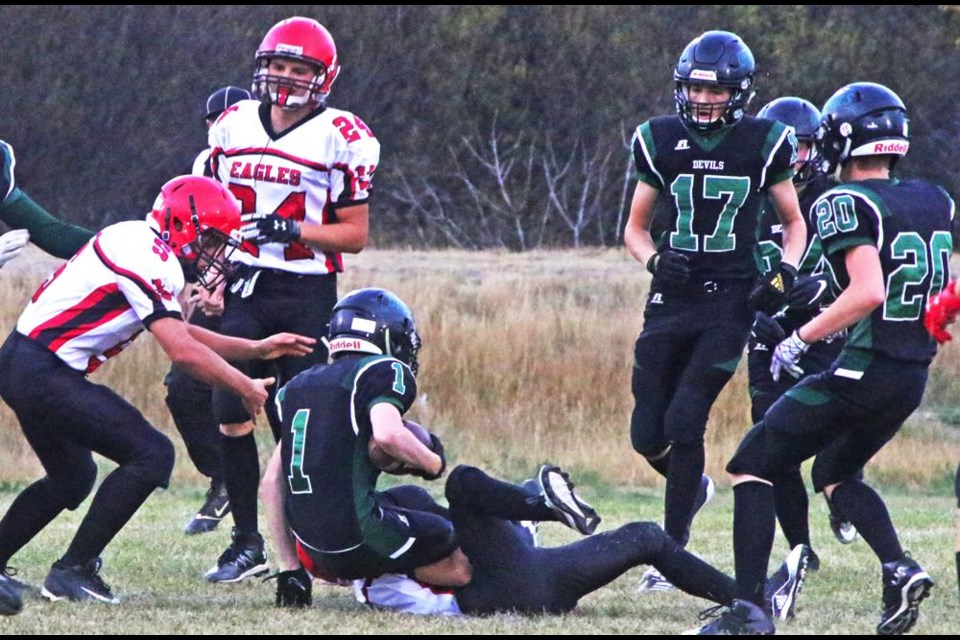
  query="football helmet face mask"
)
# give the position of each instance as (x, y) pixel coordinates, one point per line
(805, 120)
(716, 58)
(863, 119)
(200, 220)
(300, 40)
(374, 321)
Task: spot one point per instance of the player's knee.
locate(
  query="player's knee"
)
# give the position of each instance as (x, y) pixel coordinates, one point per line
(456, 482)
(153, 462)
(648, 442)
(648, 537)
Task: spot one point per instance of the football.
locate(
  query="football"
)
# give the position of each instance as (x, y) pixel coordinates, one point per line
(386, 463)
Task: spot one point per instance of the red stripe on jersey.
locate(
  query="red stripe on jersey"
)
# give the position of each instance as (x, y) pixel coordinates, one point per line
(266, 151)
(147, 288)
(63, 327)
(333, 261)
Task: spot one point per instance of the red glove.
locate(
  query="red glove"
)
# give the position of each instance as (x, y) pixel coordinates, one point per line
(942, 310)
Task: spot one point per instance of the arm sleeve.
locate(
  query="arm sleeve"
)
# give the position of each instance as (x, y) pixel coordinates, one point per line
(387, 380)
(644, 154)
(51, 234)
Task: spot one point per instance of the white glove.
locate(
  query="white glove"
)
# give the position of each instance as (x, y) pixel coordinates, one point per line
(787, 355)
(12, 243)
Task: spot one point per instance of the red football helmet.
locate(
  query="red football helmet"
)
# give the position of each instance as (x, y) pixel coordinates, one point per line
(200, 219)
(301, 39)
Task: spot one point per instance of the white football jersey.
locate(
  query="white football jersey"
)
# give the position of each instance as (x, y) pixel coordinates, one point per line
(96, 303)
(324, 162)
(406, 595)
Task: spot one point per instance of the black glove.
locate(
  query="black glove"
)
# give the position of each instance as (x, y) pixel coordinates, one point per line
(262, 228)
(293, 588)
(669, 267)
(437, 447)
(770, 293)
(807, 292)
(766, 330)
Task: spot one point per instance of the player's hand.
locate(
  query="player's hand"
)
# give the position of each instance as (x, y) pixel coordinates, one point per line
(770, 293)
(256, 396)
(767, 330)
(262, 228)
(284, 344)
(294, 588)
(942, 309)
(12, 243)
(211, 302)
(437, 447)
(669, 267)
(787, 355)
(807, 292)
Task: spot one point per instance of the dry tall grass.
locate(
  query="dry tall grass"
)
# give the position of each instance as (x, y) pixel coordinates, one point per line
(527, 358)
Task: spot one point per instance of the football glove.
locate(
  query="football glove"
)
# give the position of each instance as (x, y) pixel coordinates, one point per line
(770, 293)
(787, 355)
(437, 447)
(767, 330)
(807, 292)
(262, 228)
(941, 310)
(669, 267)
(294, 588)
(12, 243)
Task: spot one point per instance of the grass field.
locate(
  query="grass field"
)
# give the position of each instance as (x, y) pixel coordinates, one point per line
(527, 358)
(157, 572)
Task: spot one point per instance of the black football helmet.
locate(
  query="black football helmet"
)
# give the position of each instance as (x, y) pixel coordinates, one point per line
(374, 321)
(715, 58)
(805, 120)
(863, 119)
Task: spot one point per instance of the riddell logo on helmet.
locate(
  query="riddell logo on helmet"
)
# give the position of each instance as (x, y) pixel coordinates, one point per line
(896, 147)
(703, 74)
(352, 344)
(289, 48)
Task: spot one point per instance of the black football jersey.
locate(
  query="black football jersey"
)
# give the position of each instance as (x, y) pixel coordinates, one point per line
(715, 184)
(908, 221)
(326, 430)
(769, 250)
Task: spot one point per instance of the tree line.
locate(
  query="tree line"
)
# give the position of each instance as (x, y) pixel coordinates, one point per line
(502, 126)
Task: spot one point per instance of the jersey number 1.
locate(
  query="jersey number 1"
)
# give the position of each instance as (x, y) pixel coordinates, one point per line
(298, 480)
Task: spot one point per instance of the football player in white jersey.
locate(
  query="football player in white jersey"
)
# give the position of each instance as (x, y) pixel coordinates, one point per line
(124, 280)
(302, 172)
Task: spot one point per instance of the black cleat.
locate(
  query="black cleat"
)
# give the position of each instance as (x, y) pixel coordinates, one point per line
(10, 601)
(244, 558)
(558, 493)
(905, 585)
(743, 618)
(782, 588)
(79, 583)
(215, 507)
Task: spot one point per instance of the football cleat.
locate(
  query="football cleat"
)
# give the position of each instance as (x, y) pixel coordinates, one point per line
(782, 588)
(843, 529)
(742, 618)
(244, 558)
(905, 585)
(10, 601)
(652, 581)
(558, 493)
(79, 583)
(215, 507)
(704, 495)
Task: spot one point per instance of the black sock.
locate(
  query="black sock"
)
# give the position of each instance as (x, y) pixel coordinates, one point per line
(118, 498)
(692, 575)
(793, 508)
(754, 526)
(867, 512)
(661, 465)
(683, 484)
(470, 490)
(30, 512)
(241, 473)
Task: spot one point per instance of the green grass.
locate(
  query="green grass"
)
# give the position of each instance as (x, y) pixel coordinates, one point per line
(157, 572)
